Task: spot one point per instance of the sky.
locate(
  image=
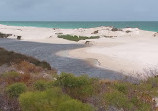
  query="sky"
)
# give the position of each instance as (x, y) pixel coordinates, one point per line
(78, 10)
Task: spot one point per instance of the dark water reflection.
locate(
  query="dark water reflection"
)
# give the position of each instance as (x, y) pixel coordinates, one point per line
(46, 52)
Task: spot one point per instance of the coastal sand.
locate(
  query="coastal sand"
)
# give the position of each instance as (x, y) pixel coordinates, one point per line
(123, 52)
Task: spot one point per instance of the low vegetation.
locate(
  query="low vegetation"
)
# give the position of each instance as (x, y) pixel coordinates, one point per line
(32, 88)
(51, 100)
(2, 35)
(16, 89)
(80, 88)
(115, 29)
(96, 32)
(128, 31)
(19, 37)
(77, 38)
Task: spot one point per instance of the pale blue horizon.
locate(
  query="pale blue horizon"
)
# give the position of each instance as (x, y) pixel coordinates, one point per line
(78, 10)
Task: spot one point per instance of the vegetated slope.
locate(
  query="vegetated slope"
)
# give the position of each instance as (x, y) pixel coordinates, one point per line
(8, 57)
(33, 87)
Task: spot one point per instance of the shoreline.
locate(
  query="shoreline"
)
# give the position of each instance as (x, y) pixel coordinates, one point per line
(127, 52)
(142, 25)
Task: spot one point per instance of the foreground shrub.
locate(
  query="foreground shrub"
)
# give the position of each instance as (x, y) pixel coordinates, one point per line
(80, 87)
(122, 87)
(71, 81)
(16, 89)
(151, 85)
(50, 100)
(130, 97)
(140, 105)
(118, 100)
(41, 85)
(74, 105)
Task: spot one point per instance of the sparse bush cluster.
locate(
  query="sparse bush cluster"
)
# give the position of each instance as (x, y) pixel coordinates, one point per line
(115, 29)
(81, 87)
(19, 37)
(41, 85)
(39, 94)
(2, 35)
(79, 93)
(16, 89)
(76, 38)
(128, 31)
(96, 32)
(128, 97)
(51, 100)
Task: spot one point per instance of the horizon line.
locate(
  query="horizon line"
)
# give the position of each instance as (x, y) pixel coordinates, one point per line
(73, 21)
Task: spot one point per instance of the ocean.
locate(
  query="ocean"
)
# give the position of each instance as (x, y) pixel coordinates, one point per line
(144, 25)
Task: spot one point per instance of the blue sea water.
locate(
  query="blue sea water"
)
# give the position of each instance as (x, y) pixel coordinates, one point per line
(144, 25)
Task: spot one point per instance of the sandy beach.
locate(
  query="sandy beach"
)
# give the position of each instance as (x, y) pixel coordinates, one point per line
(128, 51)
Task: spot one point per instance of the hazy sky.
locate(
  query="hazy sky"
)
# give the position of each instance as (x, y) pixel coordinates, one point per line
(79, 10)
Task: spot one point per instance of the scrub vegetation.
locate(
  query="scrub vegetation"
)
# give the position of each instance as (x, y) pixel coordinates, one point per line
(32, 87)
(76, 38)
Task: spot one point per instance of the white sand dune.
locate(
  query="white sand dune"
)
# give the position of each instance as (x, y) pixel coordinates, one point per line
(128, 50)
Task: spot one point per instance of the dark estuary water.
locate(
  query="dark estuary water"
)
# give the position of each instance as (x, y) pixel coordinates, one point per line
(47, 52)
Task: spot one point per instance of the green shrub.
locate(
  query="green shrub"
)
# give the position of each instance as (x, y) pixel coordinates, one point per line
(41, 101)
(79, 87)
(77, 38)
(74, 105)
(115, 29)
(140, 105)
(153, 81)
(40, 85)
(16, 89)
(118, 100)
(122, 87)
(72, 81)
(129, 96)
(146, 87)
(49, 100)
